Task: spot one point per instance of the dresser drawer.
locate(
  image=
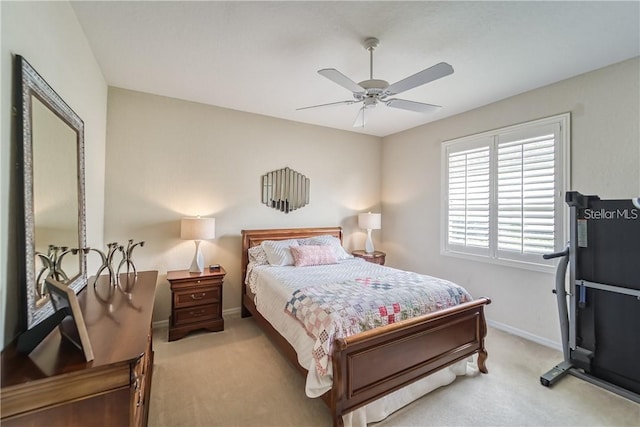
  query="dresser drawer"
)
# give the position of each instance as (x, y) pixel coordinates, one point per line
(139, 388)
(196, 314)
(200, 295)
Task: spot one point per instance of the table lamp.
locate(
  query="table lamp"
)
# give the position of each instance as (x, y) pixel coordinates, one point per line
(369, 221)
(197, 229)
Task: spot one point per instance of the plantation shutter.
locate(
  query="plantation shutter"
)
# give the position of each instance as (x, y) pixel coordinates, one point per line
(468, 196)
(526, 186)
(502, 193)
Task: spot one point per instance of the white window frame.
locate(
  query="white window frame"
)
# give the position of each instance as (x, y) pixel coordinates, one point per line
(562, 131)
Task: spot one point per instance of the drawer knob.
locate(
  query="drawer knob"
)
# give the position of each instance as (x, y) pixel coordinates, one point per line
(197, 297)
(197, 313)
(198, 281)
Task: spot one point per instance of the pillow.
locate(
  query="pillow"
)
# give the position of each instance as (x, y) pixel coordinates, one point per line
(278, 252)
(327, 240)
(257, 255)
(313, 255)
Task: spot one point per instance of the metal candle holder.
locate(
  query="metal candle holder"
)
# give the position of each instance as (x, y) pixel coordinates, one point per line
(52, 262)
(126, 257)
(107, 261)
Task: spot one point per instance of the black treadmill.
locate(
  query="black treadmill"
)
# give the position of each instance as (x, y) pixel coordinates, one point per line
(601, 327)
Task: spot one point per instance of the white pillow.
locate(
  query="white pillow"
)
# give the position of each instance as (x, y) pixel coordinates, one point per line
(327, 240)
(278, 252)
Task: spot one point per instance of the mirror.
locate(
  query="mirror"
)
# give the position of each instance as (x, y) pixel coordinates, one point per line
(285, 190)
(53, 180)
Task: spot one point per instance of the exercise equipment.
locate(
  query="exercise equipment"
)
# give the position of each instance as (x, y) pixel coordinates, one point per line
(600, 314)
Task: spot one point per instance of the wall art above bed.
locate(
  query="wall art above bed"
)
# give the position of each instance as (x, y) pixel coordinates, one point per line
(285, 190)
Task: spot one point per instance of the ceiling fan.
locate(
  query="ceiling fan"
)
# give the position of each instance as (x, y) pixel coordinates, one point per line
(373, 91)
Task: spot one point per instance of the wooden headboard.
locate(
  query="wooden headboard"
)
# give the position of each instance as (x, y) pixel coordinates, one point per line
(251, 238)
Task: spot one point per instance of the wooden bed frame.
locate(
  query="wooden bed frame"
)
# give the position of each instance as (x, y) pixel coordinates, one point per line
(411, 349)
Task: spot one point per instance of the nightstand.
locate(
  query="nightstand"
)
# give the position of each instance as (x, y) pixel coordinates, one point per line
(377, 257)
(196, 301)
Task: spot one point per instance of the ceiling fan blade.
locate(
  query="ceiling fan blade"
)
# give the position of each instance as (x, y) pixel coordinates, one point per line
(330, 104)
(339, 78)
(361, 120)
(419, 107)
(425, 76)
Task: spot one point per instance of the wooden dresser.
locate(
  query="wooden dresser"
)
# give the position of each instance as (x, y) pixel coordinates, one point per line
(55, 386)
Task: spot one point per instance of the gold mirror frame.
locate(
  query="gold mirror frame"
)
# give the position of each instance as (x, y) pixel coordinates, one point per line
(31, 85)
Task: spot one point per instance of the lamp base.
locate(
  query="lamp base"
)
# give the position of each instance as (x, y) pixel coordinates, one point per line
(368, 244)
(197, 265)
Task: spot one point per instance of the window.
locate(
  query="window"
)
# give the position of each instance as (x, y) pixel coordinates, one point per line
(503, 193)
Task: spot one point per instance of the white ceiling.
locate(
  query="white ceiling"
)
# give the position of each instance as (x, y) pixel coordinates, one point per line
(262, 57)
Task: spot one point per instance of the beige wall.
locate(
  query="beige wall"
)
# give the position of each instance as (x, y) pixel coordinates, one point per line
(605, 152)
(167, 159)
(49, 36)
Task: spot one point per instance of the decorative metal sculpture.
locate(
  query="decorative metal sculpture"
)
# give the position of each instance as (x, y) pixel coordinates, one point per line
(127, 257)
(107, 261)
(107, 258)
(285, 190)
(52, 263)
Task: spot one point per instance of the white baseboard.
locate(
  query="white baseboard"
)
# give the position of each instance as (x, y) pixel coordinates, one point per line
(526, 335)
(230, 312)
(160, 324)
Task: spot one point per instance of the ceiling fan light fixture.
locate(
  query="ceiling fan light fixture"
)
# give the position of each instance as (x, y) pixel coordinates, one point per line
(370, 102)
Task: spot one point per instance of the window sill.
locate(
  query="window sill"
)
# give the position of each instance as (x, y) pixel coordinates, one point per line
(542, 268)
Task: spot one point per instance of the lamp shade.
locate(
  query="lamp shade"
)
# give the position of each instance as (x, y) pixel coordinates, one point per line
(198, 228)
(370, 221)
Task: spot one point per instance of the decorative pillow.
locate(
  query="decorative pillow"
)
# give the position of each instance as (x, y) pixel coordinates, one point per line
(327, 240)
(313, 255)
(278, 252)
(257, 255)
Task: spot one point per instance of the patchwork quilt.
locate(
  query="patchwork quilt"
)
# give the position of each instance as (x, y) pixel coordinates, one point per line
(341, 309)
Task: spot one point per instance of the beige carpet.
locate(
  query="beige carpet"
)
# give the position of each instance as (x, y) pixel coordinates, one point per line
(238, 378)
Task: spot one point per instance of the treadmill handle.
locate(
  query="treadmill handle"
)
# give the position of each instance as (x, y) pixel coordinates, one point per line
(556, 254)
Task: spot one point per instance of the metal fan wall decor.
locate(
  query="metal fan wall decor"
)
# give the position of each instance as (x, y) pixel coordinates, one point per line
(374, 91)
(285, 190)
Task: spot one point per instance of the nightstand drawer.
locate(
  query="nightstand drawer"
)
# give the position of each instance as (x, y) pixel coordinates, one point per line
(181, 284)
(196, 314)
(197, 296)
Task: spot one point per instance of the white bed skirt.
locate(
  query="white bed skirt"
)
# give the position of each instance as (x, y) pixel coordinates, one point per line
(382, 408)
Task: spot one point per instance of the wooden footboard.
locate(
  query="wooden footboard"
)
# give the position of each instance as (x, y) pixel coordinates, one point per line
(377, 362)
